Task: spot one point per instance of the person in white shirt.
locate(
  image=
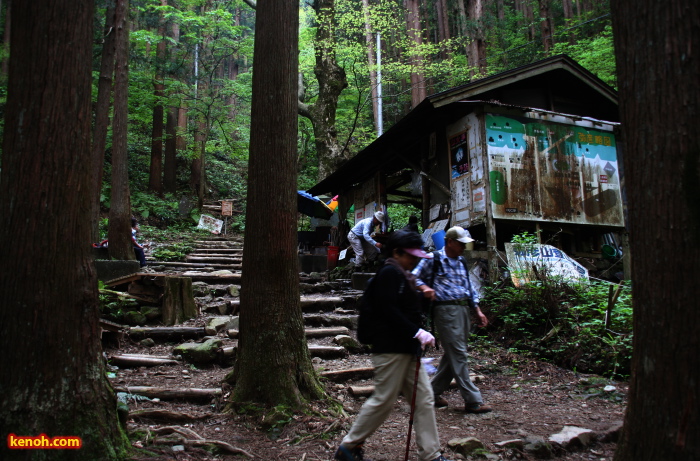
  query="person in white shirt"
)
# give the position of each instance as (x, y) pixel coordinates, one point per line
(361, 240)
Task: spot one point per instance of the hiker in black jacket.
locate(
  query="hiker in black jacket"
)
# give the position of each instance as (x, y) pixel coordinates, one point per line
(397, 339)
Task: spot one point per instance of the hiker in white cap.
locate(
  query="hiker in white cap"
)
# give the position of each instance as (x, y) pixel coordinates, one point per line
(446, 278)
(361, 240)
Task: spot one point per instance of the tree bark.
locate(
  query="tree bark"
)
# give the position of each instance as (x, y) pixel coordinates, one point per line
(170, 168)
(371, 63)
(415, 31)
(53, 380)
(104, 95)
(178, 300)
(331, 82)
(271, 324)
(172, 134)
(546, 26)
(155, 181)
(657, 49)
(119, 232)
(6, 39)
(477, 46)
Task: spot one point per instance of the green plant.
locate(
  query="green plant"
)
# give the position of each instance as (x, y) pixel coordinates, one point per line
(173, 252)
(564, 323)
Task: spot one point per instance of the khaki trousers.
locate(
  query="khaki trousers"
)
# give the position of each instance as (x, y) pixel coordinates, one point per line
(394, 373)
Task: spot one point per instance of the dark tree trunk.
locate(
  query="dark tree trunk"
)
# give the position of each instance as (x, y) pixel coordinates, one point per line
(155, 181)
(6, 38)
(271, 325)
(155, 178)
(477, 46)
(371, 63)
(170, 168)
(104, 95)
(658, 59)
(331, 82)
(171, 125)
(546, 26)
(53, 379)
(119, 233)
(415, 34)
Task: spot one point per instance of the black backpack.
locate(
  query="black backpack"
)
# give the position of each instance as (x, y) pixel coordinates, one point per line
(367, 318)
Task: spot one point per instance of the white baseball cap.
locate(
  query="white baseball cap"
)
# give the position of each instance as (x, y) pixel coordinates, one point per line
(459, 234)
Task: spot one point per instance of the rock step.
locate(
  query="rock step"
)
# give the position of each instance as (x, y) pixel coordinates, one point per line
(216, 251)
(213, 259)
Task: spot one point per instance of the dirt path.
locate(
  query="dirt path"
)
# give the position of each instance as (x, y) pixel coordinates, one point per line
(529, 398)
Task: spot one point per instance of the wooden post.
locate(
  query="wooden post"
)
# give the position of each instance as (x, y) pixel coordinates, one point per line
(178, 300)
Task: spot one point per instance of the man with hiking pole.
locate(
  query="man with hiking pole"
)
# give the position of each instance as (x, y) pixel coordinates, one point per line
(397, 340)
(446, 278)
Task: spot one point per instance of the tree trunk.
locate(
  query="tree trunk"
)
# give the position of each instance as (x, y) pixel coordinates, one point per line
(271, 323)
(104, 95)
(178, 300)
(6, 39)
(415, 31)
(119, 233)
(546, 26)
(371, 63)
(657, 47)
(155, 182)
(170, 168)
(331, 82)
(53, 380)
(477, 46)
(171, 124)
(443, 27)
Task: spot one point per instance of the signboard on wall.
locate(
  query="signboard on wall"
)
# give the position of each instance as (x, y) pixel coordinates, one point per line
(459, 155)
(546, 171)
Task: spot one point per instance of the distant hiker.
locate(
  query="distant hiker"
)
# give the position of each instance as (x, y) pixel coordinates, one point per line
(397, 339)
(412, 224)
(447, 277)
(360, 238)
(138, 249)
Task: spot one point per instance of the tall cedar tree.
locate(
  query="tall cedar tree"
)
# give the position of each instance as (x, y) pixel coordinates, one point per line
(53, 380)
(658, 60)
(119, 233)
(104, 96)
(273, 365)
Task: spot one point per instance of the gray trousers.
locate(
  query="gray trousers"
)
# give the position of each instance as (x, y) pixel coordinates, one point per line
(453, 325)
(394, 373)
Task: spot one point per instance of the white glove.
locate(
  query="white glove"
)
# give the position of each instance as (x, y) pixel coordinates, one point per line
(425, 338)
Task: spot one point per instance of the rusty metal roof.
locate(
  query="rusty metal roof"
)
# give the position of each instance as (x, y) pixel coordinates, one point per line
(556, 84)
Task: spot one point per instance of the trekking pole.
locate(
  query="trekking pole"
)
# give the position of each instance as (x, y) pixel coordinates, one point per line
(413, 405)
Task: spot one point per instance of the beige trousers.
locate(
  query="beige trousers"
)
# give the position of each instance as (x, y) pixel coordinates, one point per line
(394, 373)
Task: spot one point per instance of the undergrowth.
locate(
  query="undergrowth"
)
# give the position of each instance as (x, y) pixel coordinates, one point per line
(565, 324)
(560, 319)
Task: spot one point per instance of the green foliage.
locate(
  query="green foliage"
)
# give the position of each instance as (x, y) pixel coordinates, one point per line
(174, 252)
(560, 320)
(399, 214)
(597, 54)
(564, 323)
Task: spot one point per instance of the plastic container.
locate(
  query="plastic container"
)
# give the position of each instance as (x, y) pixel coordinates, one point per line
(609, 252)
(333, 253)
(439, 239)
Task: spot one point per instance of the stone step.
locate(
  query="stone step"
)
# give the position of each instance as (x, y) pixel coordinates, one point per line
(213, 259)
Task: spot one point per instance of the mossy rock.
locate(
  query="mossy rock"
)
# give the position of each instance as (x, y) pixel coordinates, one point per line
(199, 352)
(134, 318)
